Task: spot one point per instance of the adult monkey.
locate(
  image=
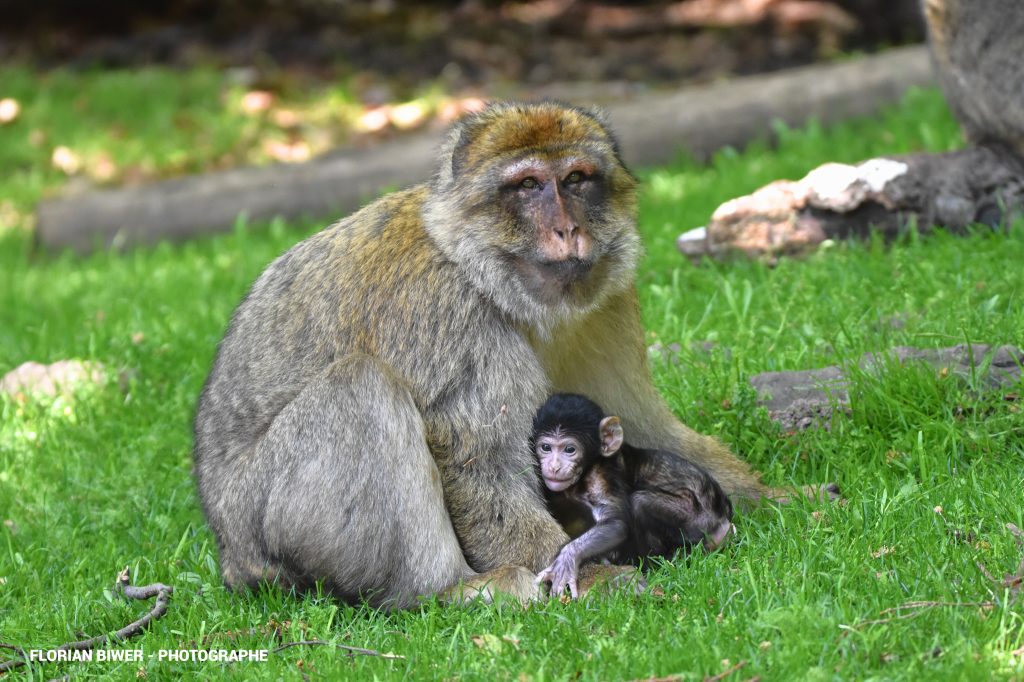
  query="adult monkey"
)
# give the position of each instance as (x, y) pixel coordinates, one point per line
(367, 418)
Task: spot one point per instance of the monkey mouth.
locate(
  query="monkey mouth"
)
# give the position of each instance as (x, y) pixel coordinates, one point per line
(556, 485)
(566, 271)
(555, 281)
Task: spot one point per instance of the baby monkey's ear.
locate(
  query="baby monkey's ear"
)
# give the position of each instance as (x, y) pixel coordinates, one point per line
(611, 436)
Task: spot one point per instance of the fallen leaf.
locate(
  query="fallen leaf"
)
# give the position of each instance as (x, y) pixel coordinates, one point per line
(407, 116)
(63, 375)
(9, 110)
(883, 551)
(286, 118)
(288, 152)
(488, 642)
(256, 101)
(65, 160)
(374, 120)
(456, 108)
(103, 168)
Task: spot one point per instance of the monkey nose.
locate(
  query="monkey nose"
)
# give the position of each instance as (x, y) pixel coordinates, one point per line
(719, 536)
(566, 232)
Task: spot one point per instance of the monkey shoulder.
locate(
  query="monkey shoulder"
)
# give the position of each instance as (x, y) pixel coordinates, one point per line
(605, 489)
(648, 469)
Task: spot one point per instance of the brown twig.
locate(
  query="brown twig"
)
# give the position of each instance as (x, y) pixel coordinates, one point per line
(914, 609)
(1012, 582)
(725, 673)
(350, 650)
(123, 586)
(933, 604)
(881, 621)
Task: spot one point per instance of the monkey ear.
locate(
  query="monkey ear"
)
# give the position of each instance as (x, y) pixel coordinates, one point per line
(611, 436)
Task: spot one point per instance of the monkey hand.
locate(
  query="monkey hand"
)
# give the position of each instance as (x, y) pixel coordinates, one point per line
(562, 573)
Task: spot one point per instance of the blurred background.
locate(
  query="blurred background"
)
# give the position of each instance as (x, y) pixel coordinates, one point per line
(119, 93)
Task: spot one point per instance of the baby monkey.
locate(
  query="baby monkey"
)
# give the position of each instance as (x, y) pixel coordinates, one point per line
(636, 502)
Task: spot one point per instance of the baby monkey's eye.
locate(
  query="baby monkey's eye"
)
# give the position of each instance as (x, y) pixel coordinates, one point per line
(529, 183)
(574, 177)
(571, 449)
(545, 447)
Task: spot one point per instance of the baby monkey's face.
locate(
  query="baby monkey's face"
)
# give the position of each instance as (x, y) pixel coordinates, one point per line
(562, 458)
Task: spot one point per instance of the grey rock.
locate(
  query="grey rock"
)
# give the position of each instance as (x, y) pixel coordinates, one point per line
(808, 398)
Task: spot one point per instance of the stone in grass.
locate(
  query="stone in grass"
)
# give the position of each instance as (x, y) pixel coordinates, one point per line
(809, 398)
(63, 376)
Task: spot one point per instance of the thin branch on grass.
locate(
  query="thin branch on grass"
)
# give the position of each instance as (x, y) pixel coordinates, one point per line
(933, 604)
(1014, 583)
(1011, 582)
(725, 673)
(122, 585)
(913, 609)
(350, 650)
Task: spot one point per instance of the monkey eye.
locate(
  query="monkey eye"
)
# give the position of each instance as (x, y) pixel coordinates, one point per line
(545, 447)
(570, 449)
(574, 177)
(529, 183)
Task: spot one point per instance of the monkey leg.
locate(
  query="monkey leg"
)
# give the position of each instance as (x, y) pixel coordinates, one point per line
(356, 498)
(680, 512)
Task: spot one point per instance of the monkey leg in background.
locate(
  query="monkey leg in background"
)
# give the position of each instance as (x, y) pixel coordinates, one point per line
(354, 439)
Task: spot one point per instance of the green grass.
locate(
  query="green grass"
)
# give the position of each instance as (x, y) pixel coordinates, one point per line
(100, 480)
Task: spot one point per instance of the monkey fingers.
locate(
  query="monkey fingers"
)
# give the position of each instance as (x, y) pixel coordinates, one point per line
(560, 575)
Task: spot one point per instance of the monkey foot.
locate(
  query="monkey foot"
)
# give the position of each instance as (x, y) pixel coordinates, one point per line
(516, 582)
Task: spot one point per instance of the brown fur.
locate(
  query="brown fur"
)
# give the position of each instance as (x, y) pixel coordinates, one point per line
(367, 418)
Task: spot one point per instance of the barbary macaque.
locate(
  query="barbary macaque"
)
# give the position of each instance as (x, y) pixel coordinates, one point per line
(638, 502)
(366, 420)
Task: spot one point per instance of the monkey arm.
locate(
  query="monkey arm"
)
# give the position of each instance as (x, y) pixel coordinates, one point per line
(609, 532)
(488, 473)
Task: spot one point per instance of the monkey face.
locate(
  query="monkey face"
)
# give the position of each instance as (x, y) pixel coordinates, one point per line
(562, 459)
(547, 200)
(534, 201)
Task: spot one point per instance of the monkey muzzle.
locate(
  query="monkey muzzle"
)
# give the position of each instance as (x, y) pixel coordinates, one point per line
(557, 485)
(565, 271)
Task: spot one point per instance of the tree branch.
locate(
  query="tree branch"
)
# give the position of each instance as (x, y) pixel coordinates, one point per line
(122, 585)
